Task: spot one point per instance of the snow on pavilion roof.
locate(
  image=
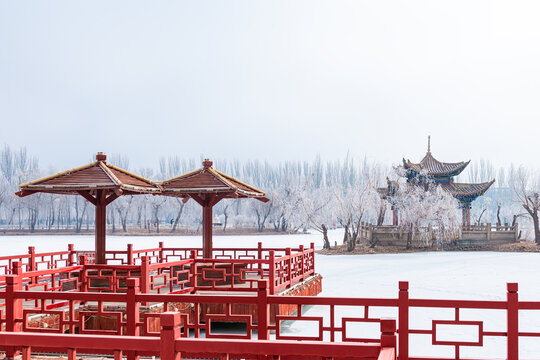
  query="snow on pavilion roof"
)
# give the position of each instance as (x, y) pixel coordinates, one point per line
(434, 167)
(466, 190)
(461, 191)
(209, 180)
(94, 176)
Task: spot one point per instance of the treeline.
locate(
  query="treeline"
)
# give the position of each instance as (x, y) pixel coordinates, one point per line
(302, 193)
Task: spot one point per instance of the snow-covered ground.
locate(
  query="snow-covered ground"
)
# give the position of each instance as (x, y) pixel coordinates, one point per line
(438, 275)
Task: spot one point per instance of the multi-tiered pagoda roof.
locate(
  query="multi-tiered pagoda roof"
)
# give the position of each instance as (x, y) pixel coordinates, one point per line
(430, 169)
(434, 168)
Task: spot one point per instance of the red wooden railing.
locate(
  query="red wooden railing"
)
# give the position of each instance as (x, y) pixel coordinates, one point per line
(161, 254)
(38, 261)
(130, 319)
(173, 345)
(160, 269)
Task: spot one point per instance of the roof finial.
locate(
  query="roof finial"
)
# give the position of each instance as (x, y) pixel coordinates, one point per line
(207, 163)
(429, 143)
(100, 156)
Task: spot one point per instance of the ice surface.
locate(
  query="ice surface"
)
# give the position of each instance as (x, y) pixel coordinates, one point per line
(438, 275)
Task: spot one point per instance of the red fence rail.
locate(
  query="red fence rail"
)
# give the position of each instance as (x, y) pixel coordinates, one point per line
(38, 261)
(133, 319)
(165, 269)
(162, 254)
(172, 345)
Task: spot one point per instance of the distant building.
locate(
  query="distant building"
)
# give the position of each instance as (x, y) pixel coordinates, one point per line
(431, 170)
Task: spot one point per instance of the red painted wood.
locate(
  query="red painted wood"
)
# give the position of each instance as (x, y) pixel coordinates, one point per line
(72, 255)
(260, 308)
(512, 322)
(169, 345)
(403, 308)
(170, 331)
(287, 269)
(130, 254)
(145, 274)
(100, 226)
(13, 306)
(263, 311)
(26, 352)
(72, 354)
(272, 272)
(207, 230)
(132, 307)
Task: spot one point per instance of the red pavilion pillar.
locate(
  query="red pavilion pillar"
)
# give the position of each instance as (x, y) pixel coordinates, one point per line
(100, 226)
(466, 215)
(395, 218)
(207, 230)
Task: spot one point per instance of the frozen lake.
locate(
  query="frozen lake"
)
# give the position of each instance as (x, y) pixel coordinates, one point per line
(450, 275)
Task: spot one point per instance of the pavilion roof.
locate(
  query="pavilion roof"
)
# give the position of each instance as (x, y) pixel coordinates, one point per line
(434, 167)
(93, 176)
(460, 190)
(209, 180)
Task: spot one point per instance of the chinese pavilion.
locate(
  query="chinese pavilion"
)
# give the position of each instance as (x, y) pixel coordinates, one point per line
(430, 169)
(100, 183)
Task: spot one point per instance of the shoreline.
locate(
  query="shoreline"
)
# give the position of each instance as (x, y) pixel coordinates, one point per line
(142, 232)
(361, 249)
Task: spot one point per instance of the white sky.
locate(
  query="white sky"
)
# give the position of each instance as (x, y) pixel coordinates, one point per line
(274, 80)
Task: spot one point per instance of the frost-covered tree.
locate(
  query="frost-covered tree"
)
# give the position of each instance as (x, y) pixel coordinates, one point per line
(294, 187)
(353, 203)
(430, 213)
(262, 212)
(316, 211)
(526, 185)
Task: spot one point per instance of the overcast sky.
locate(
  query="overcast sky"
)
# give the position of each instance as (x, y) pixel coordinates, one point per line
(274, 80)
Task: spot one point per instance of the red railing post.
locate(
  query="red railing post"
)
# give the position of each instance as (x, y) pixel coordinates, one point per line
(118, 354)
(403, 330)
(263, 311)
(145, 276)
(31, 266)
(71, 255)
(289, 267)
(14, 306)
(272, 272)
(83, 274)
(260, 257)
(388, 333)
(17, 268)
(32, 259)
(302, 259)
(132, 306)
(132, 312)
(170, 331)
(193, 271)
(26, 353)
(129, 254)
(161, 260)
(312, 247)
(512, 341)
